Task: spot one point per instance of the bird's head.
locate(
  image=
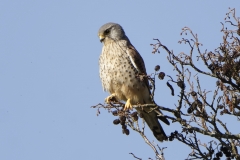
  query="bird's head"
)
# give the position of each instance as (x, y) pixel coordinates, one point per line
(111, 31)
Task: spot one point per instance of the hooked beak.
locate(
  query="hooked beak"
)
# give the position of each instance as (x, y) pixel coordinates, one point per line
(101, 37)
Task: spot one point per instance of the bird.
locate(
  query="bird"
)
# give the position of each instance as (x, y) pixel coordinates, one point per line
(119, 66)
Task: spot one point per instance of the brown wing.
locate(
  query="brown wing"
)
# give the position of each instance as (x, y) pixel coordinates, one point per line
(150, 117)
(136, 59)
(137, 62)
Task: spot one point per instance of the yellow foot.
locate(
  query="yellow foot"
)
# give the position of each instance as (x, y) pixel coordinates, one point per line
(128, 105)
(110, 98)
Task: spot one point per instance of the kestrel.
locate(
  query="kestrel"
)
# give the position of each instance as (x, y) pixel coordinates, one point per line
(120, 63)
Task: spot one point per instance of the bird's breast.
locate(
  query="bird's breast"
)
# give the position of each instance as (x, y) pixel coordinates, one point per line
(116, 69)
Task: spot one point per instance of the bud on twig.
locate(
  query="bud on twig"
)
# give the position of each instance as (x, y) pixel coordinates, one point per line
(181, 84)
(116, 121)
(161, 75)
(157, 68)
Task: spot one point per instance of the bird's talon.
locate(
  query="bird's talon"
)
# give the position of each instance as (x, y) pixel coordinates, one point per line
(110, 98)
(128, 105)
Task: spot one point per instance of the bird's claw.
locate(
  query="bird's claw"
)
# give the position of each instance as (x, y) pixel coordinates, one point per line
(110, 98)
(128, 105)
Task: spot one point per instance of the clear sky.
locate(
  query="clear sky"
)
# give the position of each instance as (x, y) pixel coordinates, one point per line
(49, 77)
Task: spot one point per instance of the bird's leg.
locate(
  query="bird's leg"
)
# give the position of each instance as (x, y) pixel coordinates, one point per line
(128, 105)
(110, 98)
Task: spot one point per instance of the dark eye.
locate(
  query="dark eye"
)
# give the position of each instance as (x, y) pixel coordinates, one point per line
(107, 31)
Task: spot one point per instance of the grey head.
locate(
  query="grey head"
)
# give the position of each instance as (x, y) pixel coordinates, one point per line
(111, 31)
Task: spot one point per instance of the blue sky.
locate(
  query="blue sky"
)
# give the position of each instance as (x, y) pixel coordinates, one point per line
(49, 54)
